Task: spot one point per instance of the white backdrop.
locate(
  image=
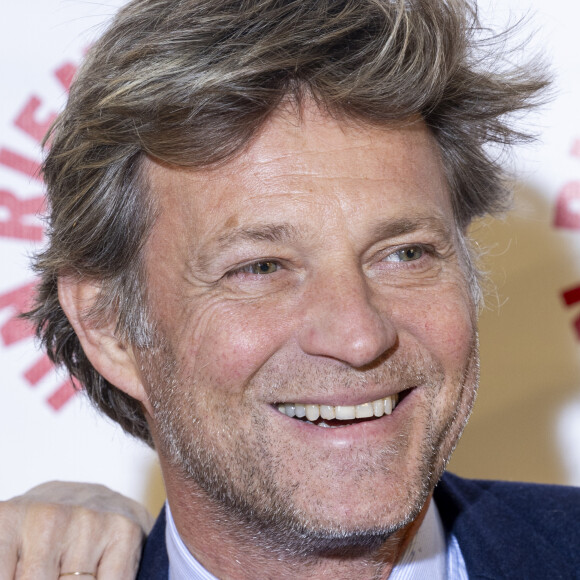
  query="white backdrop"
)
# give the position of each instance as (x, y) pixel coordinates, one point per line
(527, 420)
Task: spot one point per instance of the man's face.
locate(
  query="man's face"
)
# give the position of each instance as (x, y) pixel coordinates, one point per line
(322, 267)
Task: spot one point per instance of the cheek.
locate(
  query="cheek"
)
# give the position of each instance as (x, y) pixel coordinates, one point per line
(228, 344)
(444, 326)
(443, 322)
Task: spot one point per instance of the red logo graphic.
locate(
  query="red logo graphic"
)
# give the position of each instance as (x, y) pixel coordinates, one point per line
(18, 221)
(568, 216)
(568, 207)
(568, 203)
(571, 297)
(16, 329)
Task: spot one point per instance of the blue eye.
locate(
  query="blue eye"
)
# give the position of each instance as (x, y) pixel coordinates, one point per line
(408, 254)
(265, 267)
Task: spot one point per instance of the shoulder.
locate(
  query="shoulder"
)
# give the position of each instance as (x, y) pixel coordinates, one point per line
(536, 500)
(506, 526)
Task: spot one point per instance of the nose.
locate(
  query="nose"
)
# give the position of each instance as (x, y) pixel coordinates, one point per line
(342, 320)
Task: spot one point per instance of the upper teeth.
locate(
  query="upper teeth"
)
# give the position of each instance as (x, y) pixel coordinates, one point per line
(376, 408)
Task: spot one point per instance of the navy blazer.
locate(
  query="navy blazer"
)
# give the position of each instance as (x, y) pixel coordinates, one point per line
(519, 531)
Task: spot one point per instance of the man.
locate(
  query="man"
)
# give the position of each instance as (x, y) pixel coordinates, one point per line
(258, 264)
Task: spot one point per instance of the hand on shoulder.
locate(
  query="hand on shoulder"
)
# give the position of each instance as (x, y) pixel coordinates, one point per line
(60, 527)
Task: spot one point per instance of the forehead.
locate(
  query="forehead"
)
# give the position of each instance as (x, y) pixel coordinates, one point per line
(299, 166)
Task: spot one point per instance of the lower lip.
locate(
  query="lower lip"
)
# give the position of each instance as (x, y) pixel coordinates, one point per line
(355, 432)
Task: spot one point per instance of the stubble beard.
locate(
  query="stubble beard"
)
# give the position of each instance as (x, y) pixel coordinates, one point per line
(242, 488)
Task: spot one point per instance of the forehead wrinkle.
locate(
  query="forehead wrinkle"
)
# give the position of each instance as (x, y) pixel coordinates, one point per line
(274, 233)
(265, 156)
(298, 165)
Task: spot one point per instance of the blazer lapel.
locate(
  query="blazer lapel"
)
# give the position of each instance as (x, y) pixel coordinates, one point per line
(154, 561)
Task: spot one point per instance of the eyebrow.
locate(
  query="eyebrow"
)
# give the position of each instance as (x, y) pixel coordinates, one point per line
(284, 232)
(266, 233)
(276, 233)
(401, 226)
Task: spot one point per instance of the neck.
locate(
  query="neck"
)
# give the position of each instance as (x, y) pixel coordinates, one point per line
(233, 549)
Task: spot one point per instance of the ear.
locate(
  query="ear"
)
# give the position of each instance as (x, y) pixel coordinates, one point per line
(112, 358)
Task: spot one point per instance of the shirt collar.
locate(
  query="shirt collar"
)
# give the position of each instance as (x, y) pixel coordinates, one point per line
(425, 556)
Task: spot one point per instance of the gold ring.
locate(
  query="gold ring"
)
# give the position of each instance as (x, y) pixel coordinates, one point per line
(76, 574)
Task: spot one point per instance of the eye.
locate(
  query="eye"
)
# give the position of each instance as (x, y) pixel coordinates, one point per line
(263, 267)
(408, 254)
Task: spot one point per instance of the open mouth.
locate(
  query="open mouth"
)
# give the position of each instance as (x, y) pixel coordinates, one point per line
(340, 415)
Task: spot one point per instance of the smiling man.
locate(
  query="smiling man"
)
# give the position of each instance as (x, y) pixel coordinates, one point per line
(315, 347)
(258, 264)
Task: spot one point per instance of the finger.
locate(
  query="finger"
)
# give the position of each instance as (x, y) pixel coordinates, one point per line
(82, 556)
(121, 556)
(108, 545)
(37, 567)
(84, 541)
(41, 543)
(8, 560)
(9, 545)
